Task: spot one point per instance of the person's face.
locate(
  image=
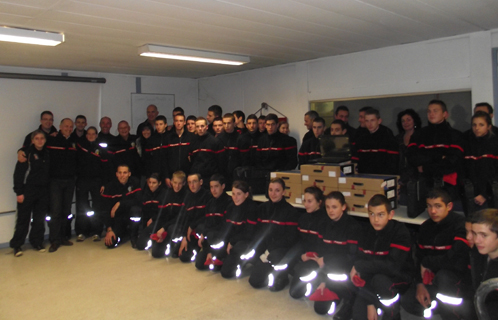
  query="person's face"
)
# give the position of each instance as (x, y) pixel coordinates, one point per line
(379, 217)
(191, 126)
(152, 113)
(271, 127)
(216, 188)
(480, 127)
(342, 115)
(218, 127)
(482, 108)
(336, 129)
(210, 116)
(261, 125)
(228, 125)
(372, 122)
(361, 119)
(39, 141)
(160, 126)
(66, 127)
(435, 114)
(252, 125)
(485, 240)
(153, 184)
(46, 121)
(275, 192)
(179, 122)
(284, 128)
(318, 129)
(407, 122)
(334, 209)
(308, 122)
(123, 173)
(194, 183)
(239, 196)
(80, 124)
(201, 127)
(91, 135)
(105, 125)
(310, 203)
(177, 184)
(123, 129)
(469, 234)
(146, 133)
(437, 209)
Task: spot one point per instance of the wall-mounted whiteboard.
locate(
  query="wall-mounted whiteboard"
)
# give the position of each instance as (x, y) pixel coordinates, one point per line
(165, 104)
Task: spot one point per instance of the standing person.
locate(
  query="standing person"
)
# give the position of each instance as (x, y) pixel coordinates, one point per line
(179, 145)
(46, 126)
(157, 149)
(105, 137)
(376, 152)
(484, 107)
(247, 143)
(152, 113)
(217, 126)
(308, 122)
(93, 172)
(121, 208)
(31, 185)
(262, 124)
(283, 127)
(310, 149)
(214, 112)
(79, 132)
(481, 167)
(338, 128)
(436, 150)
(277, 233)
(123, 149)
(63, 164)
(342, 113)
(408, 121)
(191, 124)
(208, 153)
(142, 144)
(362, 129)
(229, 139)
(240, 119)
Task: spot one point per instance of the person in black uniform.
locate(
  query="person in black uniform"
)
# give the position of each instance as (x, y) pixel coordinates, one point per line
(46, 126)
(191, 123)
(214, 111)
(338, 128)
(262, 124)
(275, 152)
(211, 239)
(381, 269)
(240, 119)
(157, 148)
(121, 208)
(93, 172)
(277, 234)
(247, 143)
(79, 132)
(150, 122)
(310, 149)
(229, 139)
(105, 138)
(442, 259)
(376, 152)
(208, 153)
(123, 149)
(31, 182)
(308, 122)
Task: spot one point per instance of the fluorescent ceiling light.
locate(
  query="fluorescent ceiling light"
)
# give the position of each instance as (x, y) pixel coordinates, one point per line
(150, 50)
(30, 36)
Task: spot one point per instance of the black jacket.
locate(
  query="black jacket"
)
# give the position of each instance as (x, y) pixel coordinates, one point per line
(152, 204)
(207, 156)
(240, 222)
(156, 153)
(310, 149)
(128, 195)
(229, 141)
(215, 218)
(173, 205)
(125, 152)
(63, 157)
(178, 151)
(94, 162)
(247, 143)
(276, 152)
(481, 163)
(34, 173)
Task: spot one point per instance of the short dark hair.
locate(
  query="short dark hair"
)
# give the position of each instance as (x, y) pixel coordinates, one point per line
(439, 193)
(178, 109)
(372, 111)
(364, 109)
(337, 195)
(218, 177)
(216, 119)
(201, 118)
(252, 116)
(439, 103)
(242, 186)
(341, 108)
(340, 122)
(80, 116)
(412, 113)
(37, 132)
(316, 193)
(280, 181)
(161, 118)
(216, 109)
(239, 113)
(380, 200)
(92, 128)
(484, 104)
(179, 115)
(229, 115)
(488, 217)
(46, 112)
(154, 175)
(123, 165)
(485, 116)
(319, 119)
(191, 117)
(312, 114)
(198, 175)
(271, 117)
(261, 117)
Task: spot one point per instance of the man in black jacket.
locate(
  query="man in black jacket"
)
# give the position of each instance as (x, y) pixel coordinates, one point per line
(46, 125)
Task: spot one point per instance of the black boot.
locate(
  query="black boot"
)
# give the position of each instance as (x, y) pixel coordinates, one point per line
(346, 310)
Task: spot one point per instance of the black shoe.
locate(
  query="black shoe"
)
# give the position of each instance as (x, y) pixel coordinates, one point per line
(18, 252)
(133, 243)
(66, 242)
(53, 247)
(280, 283)
(345, 312)
(39, 248)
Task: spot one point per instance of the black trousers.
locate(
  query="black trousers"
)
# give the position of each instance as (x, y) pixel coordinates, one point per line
(61, 196)
(88, 224)
(261, 271)
(36, 201)
(125, 228)
(232, 261)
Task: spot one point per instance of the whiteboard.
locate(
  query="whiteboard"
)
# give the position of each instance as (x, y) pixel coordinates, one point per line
(165, 104)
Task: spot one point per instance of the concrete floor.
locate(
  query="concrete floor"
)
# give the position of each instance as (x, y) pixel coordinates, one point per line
(88, 281)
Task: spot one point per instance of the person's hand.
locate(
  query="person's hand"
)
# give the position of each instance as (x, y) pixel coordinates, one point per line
(479, 200)
(319, 261)
(102, 189)
(321, 287)
(109, 236)
(423, 296)
(183, 246)
(423, 270)
(353, 273)
(21, 156)
(420, 169)
(114, 209)
(371, 312)
(168, 182)
(189, 232)
(149, 222)
(229, 247)
(201, 239)
(304, 257)
(20, 198)
(53, 134)
(159, 235)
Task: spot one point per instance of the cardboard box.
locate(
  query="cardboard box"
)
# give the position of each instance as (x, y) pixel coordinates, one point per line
(364, 196)
(292, 176)
(328, 170)
(368, 182)
(319, 181)
(361, 205)
(293, 193)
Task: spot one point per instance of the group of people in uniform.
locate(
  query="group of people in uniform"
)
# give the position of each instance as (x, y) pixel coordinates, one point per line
(165, 190)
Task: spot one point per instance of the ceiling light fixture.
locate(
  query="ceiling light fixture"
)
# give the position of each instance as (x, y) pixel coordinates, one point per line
(38, 37)
(150, 50)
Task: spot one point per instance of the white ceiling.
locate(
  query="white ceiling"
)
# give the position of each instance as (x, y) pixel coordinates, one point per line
(104, 35)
